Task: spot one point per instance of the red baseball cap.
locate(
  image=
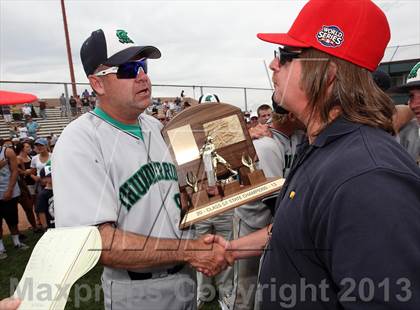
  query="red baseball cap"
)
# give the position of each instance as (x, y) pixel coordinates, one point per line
(353, 30)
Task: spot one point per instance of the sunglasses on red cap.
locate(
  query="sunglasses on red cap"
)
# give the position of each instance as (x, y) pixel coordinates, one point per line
(128, 70)
(284, 55)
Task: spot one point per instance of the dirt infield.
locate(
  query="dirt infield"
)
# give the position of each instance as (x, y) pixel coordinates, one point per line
(23, 222)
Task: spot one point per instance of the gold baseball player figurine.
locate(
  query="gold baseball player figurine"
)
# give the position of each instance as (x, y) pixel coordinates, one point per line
(253, 176)
(211, 159)
(248, 162)
(191, 180)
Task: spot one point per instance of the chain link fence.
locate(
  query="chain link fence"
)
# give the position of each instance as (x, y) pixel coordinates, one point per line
(246, 98)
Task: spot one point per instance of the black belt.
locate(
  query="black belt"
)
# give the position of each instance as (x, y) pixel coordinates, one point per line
(149, 275)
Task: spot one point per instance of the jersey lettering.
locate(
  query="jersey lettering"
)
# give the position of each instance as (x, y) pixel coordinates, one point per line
(139, 183)
(177, 199)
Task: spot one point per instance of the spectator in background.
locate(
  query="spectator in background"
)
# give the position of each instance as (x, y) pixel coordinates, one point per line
(22, 131)
(63, 105)
(85, 104)
(382, 79)
(43, 156)
(78, 105)
(9, 194)
(32, 127)
(161, 116)
(26, 110)
(288, 131)
(253, 121)
(208, 98)
(32, 152)
(26, 182)
(410, 133)
(264, 113)
(85, 94)
(8, 143)
(73, 106)
(24, 153)
(171, 111)
(16, 113)
(33, 113)
(403, 120)
(247, 117)
(15, 141)
(13, 131)
(92, 101)
(52, 139)
(6, 114)
(43, 109)
(45, 203)
(38, 162)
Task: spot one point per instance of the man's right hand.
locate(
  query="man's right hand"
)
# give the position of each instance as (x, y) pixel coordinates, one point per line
(206, 257)
(217, 239)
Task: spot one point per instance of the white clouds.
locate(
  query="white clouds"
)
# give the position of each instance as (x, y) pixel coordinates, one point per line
(404, 20)
(202, 42)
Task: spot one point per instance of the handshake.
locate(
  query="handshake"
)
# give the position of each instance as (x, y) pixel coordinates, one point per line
(210, 254)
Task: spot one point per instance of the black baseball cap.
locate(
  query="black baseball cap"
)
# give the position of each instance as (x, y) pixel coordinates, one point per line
(382, 79)
(112, 48)
(413, 81)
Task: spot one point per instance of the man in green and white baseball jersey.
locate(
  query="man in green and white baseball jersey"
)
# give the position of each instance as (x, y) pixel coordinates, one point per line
(112, 169)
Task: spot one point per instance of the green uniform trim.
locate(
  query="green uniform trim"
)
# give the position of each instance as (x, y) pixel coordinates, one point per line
(134, 130)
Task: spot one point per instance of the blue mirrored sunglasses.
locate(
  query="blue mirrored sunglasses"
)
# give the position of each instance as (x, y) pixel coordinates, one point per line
(128, 70)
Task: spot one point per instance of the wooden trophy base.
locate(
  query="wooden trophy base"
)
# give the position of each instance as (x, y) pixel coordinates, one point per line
(253, 178)
(199, 198)
(230, 188)
(245, 195)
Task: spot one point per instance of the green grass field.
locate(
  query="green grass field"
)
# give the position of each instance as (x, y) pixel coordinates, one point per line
(12, 268)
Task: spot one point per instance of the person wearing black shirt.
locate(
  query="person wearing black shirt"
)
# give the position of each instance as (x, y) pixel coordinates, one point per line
(346, 231)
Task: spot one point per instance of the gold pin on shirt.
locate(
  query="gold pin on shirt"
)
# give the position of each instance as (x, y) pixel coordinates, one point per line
(292, 194)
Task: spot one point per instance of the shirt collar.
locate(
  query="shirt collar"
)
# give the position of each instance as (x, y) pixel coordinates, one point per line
(132, 129)
(339, 127)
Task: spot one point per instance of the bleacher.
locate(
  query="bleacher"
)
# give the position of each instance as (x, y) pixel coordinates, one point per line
(53, 124)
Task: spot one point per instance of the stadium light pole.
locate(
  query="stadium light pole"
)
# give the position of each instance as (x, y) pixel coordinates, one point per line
(69, 57)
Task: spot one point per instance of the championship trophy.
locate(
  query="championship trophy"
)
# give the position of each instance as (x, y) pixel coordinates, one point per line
(215, 161)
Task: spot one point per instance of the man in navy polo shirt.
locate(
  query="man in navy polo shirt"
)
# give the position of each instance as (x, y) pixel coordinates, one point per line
(346, 232)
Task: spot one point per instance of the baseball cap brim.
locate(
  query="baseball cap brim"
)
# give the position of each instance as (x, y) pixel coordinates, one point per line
(41, 141)
(131, 53)
(281, 39)
(404, 88)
